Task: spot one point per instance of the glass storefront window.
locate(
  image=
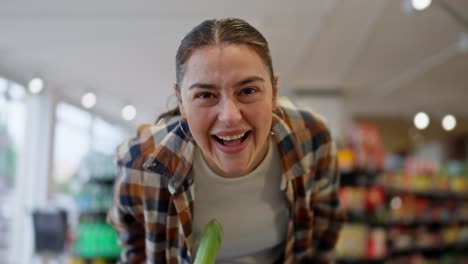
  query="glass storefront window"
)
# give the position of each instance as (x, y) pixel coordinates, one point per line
(84, 146)
(106, 136)
(12, 131)
(72, 143)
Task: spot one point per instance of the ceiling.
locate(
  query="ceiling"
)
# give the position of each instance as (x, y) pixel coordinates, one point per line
(381, 60)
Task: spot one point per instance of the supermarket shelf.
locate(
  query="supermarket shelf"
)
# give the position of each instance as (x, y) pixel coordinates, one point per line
(358, 178)
(360, 261)
(366, 179)
(428, 251)
(354, 217)
(372, 221)
(108, 180)
(432, 223)
(95, 214)
(99, 260)
(431, 251)
(435, 194)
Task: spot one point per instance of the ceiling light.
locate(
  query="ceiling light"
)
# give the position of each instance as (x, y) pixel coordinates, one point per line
(420, 4)
(36, 85)
(463, 42)
(449, 122)
(88, 100)
(421, 120)
(128, 112)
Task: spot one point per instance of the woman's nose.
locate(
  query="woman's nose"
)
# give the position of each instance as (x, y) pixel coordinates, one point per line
(229, 112)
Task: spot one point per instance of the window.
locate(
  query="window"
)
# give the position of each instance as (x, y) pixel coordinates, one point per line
(72, 142)
(12, 131)
(84, 146)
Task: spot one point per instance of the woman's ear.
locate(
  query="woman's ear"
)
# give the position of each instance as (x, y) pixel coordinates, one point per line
(179, 99)
(275, 92)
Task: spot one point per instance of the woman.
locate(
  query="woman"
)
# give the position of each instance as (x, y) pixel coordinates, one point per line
(263, 168)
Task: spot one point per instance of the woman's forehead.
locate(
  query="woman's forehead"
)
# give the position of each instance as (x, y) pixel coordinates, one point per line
(227, 61)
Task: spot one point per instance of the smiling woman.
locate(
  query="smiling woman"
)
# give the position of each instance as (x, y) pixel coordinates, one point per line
(231, 151)
(228, 106)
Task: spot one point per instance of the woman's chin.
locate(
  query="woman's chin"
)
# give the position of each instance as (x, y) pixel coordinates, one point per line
(233, 170)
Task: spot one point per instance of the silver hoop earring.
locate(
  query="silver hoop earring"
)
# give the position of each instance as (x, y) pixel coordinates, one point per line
(183, 130)
(282, 113)
(282, 116)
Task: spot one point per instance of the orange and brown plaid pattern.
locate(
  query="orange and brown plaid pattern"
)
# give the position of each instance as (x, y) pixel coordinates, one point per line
(153, 204)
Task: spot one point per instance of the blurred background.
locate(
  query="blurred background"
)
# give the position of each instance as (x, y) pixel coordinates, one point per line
(389, 76)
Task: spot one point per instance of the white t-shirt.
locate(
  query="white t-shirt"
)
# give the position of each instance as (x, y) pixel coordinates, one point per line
(252, 210)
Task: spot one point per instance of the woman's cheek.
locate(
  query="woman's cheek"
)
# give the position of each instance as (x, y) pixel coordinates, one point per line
(199, 129)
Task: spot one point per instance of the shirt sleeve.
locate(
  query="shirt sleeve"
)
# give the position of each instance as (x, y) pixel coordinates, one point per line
(324, 200)
(126, 217)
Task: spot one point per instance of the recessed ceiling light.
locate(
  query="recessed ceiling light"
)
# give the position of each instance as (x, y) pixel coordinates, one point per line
(36, 85)
(88, 100)
(128, 112)
(463, 42)
(449, 122)
(420, 4)
(421, 120)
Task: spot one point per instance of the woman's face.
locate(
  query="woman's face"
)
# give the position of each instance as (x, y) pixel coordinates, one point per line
(227, 98)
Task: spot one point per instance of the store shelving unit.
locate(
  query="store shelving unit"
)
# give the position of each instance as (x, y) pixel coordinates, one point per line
(429, 234)
(7, 175)
(96, 241)
(4, 234)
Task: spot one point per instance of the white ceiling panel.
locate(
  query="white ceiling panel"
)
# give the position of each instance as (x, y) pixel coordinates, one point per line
(379, 57)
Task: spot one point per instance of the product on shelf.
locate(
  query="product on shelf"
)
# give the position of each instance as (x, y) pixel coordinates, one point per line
(352, 242)
(367, 147)
(451, 234)
(377, 243)
(400, 238)
(353, 199)
(375, 199)
(414, 214)
(346, 162)
(7, 160)
(358, 241)
(95, 239)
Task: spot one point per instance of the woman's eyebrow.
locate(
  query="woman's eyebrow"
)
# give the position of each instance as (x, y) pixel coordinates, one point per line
(249, 80)
(202, 86)
(239, 83)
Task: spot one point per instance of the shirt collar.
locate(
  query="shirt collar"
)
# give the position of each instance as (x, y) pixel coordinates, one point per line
(174, 154)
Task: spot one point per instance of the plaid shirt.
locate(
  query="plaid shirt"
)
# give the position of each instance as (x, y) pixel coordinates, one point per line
(154, 192)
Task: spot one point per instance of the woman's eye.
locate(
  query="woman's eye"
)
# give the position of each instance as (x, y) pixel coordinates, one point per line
(204, 95)
(248, 90)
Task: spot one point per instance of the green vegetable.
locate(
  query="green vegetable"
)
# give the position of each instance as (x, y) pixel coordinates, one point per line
(210, 243)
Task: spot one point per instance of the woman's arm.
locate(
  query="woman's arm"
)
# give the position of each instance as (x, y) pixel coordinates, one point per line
(126, 216)
(324, 199)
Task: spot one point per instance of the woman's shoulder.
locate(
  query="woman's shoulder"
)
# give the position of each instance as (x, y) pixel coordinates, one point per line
(301, 118)
(308, 129)
(133, 152)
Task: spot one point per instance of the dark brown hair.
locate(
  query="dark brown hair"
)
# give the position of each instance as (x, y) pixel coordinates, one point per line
(217, 32)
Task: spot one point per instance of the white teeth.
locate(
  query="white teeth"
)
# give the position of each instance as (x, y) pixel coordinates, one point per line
(231, 137)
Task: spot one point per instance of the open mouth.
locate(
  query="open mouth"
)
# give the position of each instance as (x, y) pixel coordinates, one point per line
(232, 140)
